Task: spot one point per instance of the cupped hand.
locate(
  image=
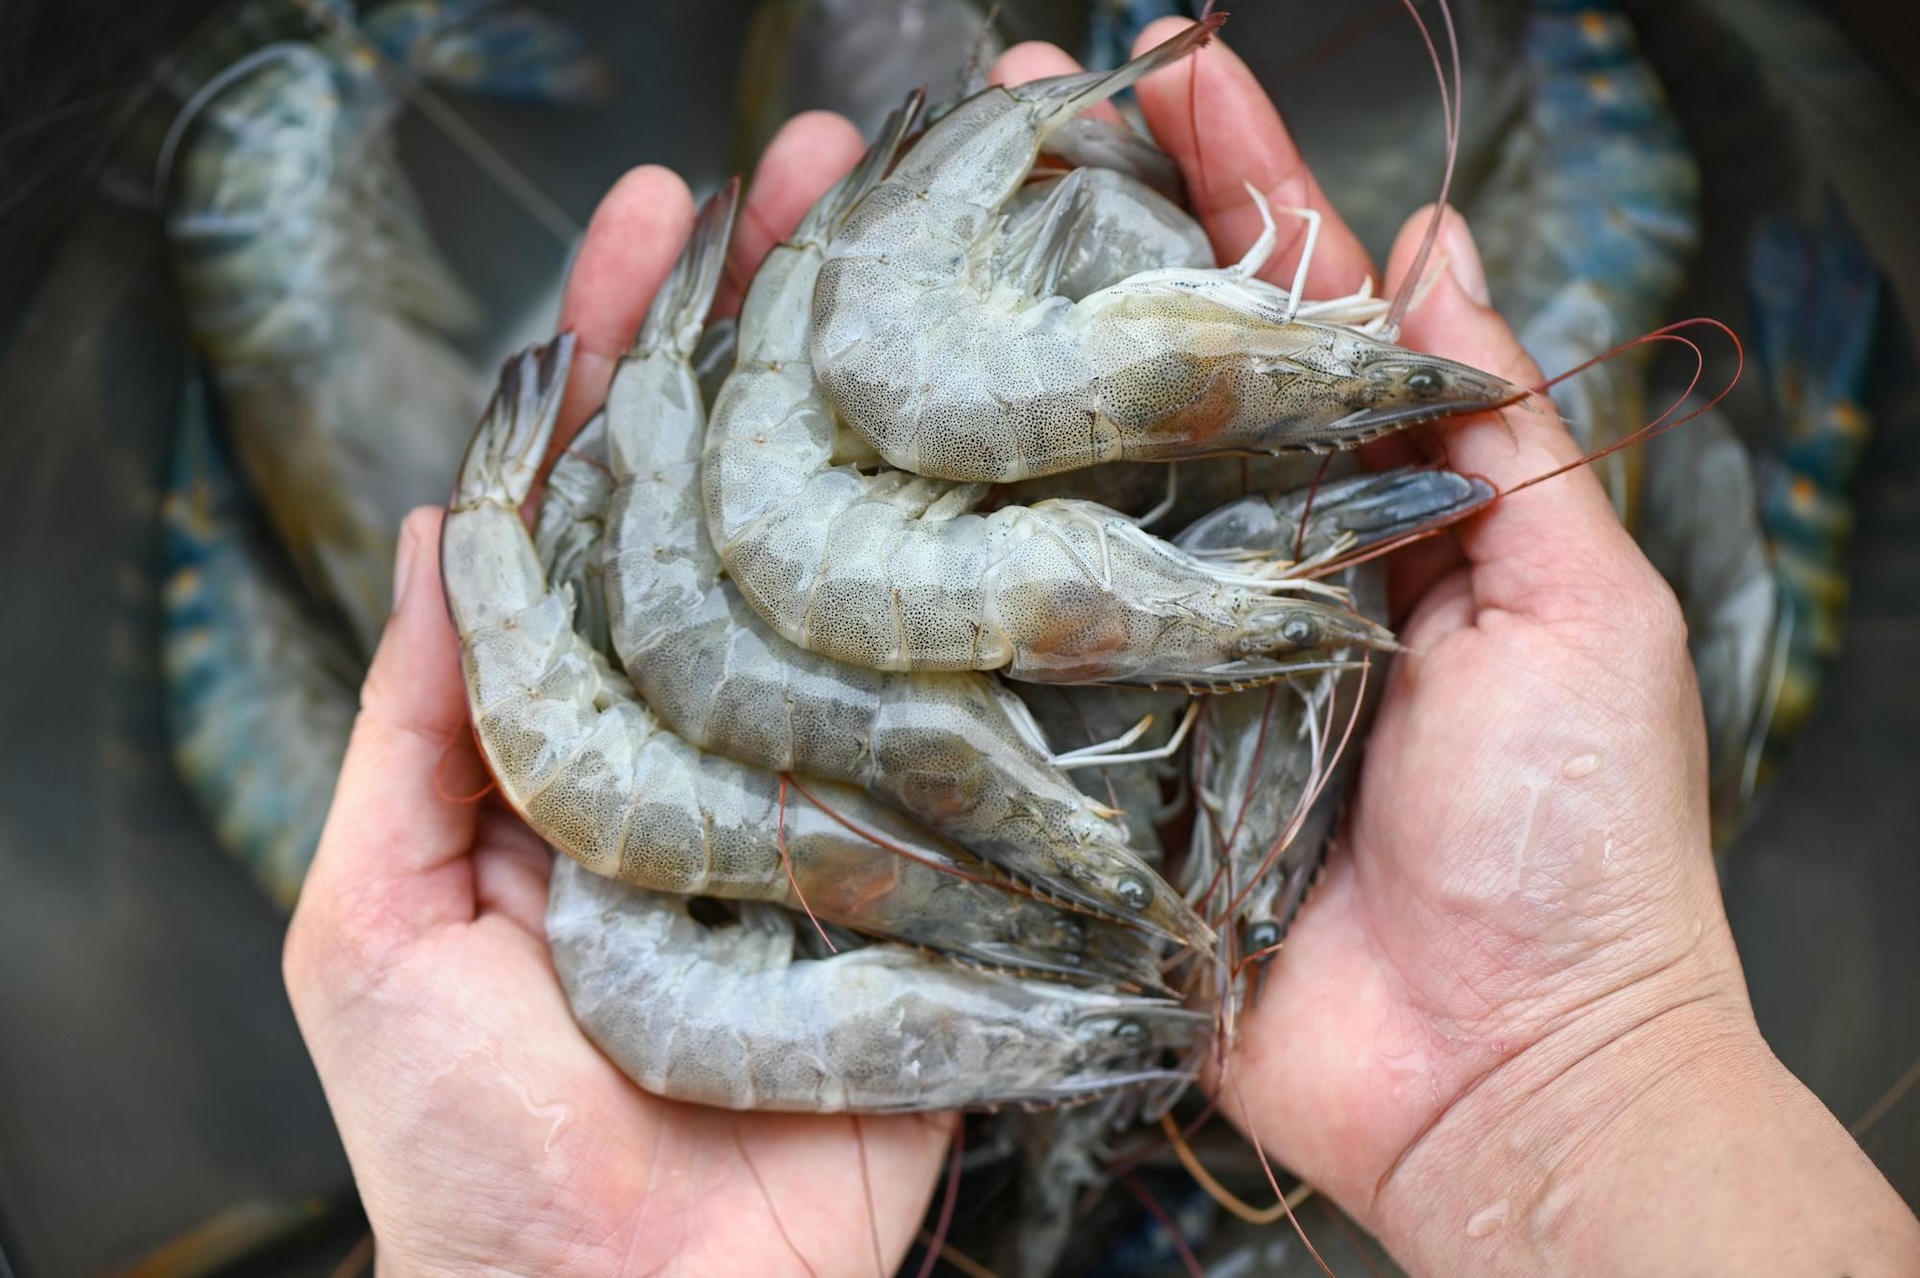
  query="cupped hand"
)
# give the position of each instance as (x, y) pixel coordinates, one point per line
(486, 1133)
(1523, 902)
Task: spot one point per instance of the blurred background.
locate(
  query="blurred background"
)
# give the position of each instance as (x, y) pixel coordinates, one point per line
(158, 1114)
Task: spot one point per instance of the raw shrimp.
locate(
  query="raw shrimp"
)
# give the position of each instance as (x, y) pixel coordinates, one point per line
(952, 750)
(593, 772)
(245, 655)
(489, 49)
(1269, 774)
(892, 572)
(314, 289)
(322, 307)
(1589, 221)
(952, 370)
(727, 1016)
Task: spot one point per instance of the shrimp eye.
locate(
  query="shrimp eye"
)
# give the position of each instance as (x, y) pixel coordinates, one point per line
(1301, 632)
(1263, 935)
(1424, 382)
(1131, 1032)
(1133, 892)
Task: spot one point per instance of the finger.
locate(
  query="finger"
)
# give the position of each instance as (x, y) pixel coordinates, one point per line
(1545, 548)
(630, 245)
(391, 863)
(511, 867)
(1218, 124)
(1038, 60)
(807, 156)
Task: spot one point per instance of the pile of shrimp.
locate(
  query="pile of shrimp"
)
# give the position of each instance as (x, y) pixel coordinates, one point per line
(860, 761)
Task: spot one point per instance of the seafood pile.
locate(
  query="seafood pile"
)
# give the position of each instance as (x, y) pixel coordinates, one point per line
(821, 857)
(804, 658)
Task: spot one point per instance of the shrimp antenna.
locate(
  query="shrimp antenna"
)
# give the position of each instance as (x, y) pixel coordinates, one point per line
(958, 1259)
(1450, 110)
(866, 1186)
(936, 1242)
(1159, 1212)
(780, 1227)
(786, 863)
(1246, 1123)
(1884, 1106)
(1232, 1202)
(1658, 426)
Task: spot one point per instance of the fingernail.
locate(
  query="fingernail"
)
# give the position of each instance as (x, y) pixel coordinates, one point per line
(1463, 261)
(403, 562)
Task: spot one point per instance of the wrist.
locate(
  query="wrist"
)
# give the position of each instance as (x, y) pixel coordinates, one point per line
(1673, 1142)
(1489, 1176)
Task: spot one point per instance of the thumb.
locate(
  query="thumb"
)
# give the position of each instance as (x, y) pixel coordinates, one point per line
(391, 863)
(1548, 551)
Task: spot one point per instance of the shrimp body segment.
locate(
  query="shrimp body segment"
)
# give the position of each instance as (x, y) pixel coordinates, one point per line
(955, 370)
(946, 749)
(593, 772)
(729, 1017)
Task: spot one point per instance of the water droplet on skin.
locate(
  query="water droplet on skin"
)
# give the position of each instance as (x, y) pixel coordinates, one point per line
(1488, 1221)
(1581, 765)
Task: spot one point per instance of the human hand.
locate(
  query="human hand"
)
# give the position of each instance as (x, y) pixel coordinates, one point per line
(1516, 988)
(485, 1131)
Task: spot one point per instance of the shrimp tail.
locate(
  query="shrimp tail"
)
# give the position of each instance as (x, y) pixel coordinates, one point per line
(678, 315)
(873, 166)
(516, 427)
(486, 49)
(1064, 97)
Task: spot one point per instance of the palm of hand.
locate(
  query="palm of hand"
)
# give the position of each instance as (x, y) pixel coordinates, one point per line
(1526, 854)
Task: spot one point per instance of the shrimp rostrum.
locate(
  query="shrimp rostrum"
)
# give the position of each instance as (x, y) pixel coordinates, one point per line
(955, 370)
(953, 750)
(593, 772)
(897, 572)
